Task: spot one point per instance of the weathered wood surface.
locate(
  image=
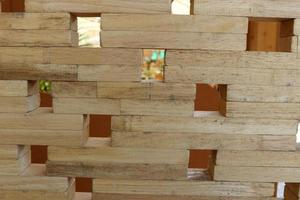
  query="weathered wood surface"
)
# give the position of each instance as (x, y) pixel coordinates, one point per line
(106, 6)
(19, 104)
(174, 23)
(253, 8)
(12, 88)
(16, 166)
(74, 89)
(117, 163)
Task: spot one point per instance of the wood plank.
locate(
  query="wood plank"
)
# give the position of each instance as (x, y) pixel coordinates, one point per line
(255, 93)
(296, 30)
(116, 73)
(142, 90)
(15, 88)
(254, 8)
(183, 189)
(31, 21)
(19, 104)
(74, 89)
(106, 6)
(15, 167)
(117, 163)
(236, 59)
(38, 72)
(27, 188)
(259, 158)
(12, 152)
(217, 75)
(263, 110)
(204, 141)
(38, 38)
(36, 120)
(207, 125)
(173, 23)
(86, 106)
(287, 77)
(157, 107)
(70, 55)
(174, 40)
(257, 174)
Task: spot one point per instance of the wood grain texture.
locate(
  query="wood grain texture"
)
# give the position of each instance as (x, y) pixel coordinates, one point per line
(174, 23)
(36, 21)
(183, 188)
(27, 188)
(204, 141)
(86, 106)
(105, 6)
(174, 40)
(207, 125)
(116, 163)
(142, 90)
(12, 152)
(15, 167)
(254, 8)
(74, 89)
(19, 104)
(15, 88)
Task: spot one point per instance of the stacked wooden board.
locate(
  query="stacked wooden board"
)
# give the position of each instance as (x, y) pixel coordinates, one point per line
(153, 123)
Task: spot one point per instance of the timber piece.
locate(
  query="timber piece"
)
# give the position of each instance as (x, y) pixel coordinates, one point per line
(109, 73)
(174, 23)
(183, 189)
(233, 59)
(256, 93)
(106, 6)
(117, 163)
(15, 166)
(253, 8)
(31, 187)
(207, 125)
(257, 174)
(86, 106)
(74, 89)
(36, 21)
(13, 152)
(173, 40)
(263, 110)
(130, 90)
(157, 107)
(35, 120)
(204, 141)
(19, 104)
(38, 38)
(18, 88)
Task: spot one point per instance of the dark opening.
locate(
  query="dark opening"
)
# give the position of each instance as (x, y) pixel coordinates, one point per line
(84, 184)
(13, 5)
(45, 94)
(39, 154)
(100, 126)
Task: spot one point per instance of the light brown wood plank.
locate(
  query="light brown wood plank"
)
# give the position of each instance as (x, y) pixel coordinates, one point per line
(19, 104)
(15, 88)
(74, 89)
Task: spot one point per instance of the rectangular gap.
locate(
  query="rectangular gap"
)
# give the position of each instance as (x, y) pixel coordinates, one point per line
(270, 35)
(100, 126)
(182, 7)
(89, 29)
(39, 154)
(153, 65)
(201, 164)
(13, 5)
(210, 99)
(83, 188)
(45, 93)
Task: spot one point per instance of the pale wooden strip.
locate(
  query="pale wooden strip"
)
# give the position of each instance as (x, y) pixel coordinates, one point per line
(259, 158)
(296, 27)
(9, 152)
(106, 6)
(255, 93)
(207, 125)
(116, 163)
(236, 59)
(86, 106)
(157, 107)
(15, 167)
(15, 88)
(263, 110)
(253, 8)
(40, 21)
(117, 73)
(216, 141)
(257, 174)
(74, 89)
(174, 40)
(173, 23)
(287, 77)
(38, 38)
(19, 104)
(183, 188)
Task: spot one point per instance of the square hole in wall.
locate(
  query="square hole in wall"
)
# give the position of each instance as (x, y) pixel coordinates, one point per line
(210, 99)
(291, 191)
(153, 65)
(45, 93)
(39, 154)
(100, 126)
(201, 164)
(89, 31)
(84, 185)
(275, 35)
(13, 5)
(182, 7)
